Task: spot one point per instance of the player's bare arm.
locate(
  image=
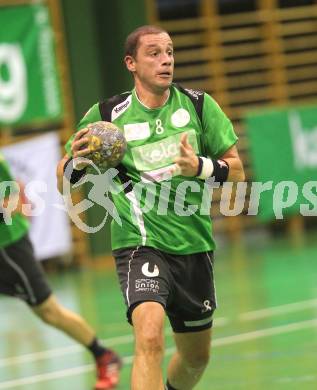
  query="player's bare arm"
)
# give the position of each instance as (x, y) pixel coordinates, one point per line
(236, 171)
(188, 162)
(79, 148)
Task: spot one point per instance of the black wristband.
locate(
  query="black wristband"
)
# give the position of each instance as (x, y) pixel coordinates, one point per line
(200, 166)
(218, 169)
(1, 216)
(73, 175)
(221, 171)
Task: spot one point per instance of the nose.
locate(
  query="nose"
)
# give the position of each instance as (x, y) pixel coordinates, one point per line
(167, 59)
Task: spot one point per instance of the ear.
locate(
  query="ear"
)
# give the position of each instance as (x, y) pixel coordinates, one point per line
(130, 63)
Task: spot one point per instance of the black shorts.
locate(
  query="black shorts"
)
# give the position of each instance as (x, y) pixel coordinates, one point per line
(21, 275)
(183, 284)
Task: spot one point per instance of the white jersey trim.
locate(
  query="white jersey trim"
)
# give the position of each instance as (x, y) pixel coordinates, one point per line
(128, 281)
(138, 214)
(213, 278)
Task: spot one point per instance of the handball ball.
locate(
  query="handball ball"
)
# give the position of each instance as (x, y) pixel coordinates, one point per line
(106, 143)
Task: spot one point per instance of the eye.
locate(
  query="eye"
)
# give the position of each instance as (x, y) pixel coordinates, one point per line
(170, 52)
(154, 54)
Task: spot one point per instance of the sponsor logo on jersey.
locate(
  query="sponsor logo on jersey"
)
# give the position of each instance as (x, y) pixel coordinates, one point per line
(148, 273)
(222, 164)
(180, 118)
(161, 153)
(136, 131)
(160, 174)
(147, 285)
(207, 306)
(195, 94)
(121, 108)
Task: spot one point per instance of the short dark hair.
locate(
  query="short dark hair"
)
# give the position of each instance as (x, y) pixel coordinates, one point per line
(133, 39)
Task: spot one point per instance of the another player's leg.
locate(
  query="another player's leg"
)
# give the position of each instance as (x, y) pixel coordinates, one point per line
(148, 324)
(22, 276)
(190, 360)
(54, 314)
(107, 362)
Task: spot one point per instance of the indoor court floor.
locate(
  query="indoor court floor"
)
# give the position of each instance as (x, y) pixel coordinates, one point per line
(265, 329)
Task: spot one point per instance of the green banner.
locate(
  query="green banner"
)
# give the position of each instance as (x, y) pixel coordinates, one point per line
(29, 85)
(283, 151)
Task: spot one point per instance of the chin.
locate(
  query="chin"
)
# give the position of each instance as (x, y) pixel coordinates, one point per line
(165, 84)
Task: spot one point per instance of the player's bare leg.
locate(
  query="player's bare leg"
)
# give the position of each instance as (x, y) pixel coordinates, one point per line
(190, 360)
(148, 324)
(53, 313)
(108, 363)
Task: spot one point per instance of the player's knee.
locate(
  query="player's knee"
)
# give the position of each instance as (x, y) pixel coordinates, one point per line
(198, 359)
(149, 328)
(150, 341)
(49, 315)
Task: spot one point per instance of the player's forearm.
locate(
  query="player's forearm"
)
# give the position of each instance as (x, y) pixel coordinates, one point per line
(67, 171)
(236, 171)
(60, 173)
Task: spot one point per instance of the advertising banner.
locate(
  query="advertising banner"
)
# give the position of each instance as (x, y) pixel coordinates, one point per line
(29, 84)
(283, 148)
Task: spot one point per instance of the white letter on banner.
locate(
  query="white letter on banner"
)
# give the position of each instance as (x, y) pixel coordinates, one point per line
(13, 92)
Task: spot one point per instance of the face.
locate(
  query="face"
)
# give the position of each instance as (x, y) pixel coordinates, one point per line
(153, 64)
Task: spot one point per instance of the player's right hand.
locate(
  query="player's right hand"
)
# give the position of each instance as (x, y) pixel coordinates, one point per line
(80, 149)
(186, 163)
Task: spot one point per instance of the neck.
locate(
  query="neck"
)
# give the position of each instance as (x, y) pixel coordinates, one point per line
(151, 99)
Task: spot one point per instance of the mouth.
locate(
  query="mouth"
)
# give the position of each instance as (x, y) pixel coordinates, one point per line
(165, 74)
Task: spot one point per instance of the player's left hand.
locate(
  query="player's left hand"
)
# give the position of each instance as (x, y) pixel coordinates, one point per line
(187, 163)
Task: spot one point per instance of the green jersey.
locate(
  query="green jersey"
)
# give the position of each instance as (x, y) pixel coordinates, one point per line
(170, 214)
(19, 226)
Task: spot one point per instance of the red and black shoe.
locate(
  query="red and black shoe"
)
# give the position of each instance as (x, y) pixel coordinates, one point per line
(108, 368)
